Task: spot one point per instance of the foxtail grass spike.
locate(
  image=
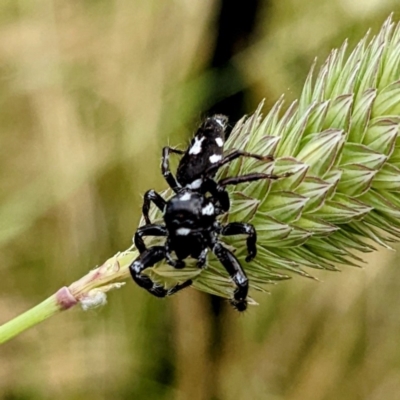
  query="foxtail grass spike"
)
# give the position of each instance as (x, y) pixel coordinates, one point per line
(340, 142)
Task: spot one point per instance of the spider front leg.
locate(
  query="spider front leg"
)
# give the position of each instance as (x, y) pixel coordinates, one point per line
(218, 192)
(152, 196)
(178, 264)
(168, 176)
(147, 259)
(235, 271)
(239, 228)
(202, 258)
(148, 230)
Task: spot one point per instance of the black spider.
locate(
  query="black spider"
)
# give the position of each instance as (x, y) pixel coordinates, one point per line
(191, 227)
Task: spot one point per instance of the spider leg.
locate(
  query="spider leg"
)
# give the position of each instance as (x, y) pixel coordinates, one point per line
(234, 180)
(235, 271)
(168, 176)
(148, 259)
(202, 258)
(152, 196)
(218, 193)
(239, 228)
(233, 156)
(178, 264)
(148, 230)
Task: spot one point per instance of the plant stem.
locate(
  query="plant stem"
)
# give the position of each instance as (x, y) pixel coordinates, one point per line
(85, 290)
(35, 315)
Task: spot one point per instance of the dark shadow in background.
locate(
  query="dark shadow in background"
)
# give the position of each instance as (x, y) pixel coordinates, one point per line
(235, 29)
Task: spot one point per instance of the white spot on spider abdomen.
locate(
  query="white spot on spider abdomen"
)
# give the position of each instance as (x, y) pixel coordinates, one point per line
(196, 146)
(219, 142)
(208, 209)
(183, 231)
(215, 158)
(195, 184)
(186, 196)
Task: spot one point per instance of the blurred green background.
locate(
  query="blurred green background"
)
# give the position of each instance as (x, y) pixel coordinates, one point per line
(90, 91)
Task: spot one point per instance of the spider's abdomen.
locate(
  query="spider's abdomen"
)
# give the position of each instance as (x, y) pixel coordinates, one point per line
(205, 149)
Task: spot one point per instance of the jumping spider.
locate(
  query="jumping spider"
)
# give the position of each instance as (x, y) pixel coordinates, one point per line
(190, 224)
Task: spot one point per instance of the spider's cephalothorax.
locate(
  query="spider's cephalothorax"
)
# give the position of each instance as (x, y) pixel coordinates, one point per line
(190, 224)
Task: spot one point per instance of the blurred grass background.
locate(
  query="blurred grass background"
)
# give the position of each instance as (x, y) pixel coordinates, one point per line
(90, 91)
